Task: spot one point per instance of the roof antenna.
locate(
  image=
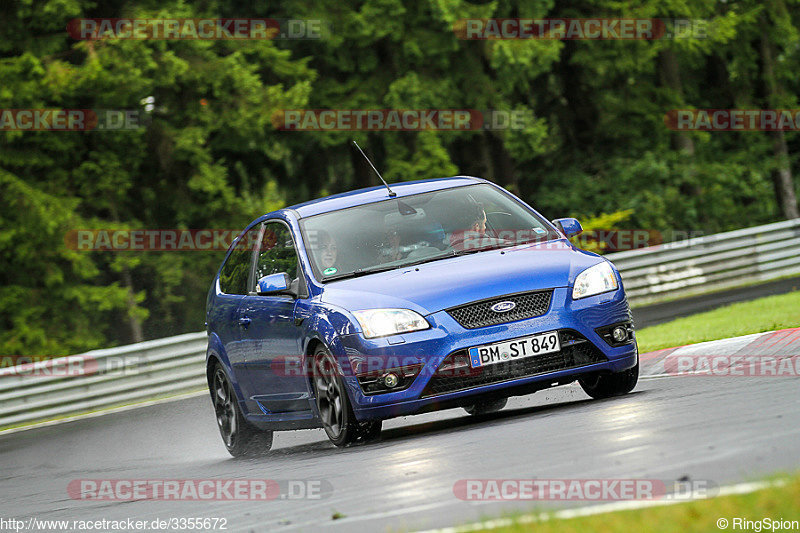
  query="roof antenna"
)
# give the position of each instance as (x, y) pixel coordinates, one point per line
(392, 194)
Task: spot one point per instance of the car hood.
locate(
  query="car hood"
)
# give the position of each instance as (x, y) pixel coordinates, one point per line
(431, 287)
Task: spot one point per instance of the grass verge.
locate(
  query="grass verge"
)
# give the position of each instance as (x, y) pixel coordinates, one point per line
(775, 503)
(764, 314)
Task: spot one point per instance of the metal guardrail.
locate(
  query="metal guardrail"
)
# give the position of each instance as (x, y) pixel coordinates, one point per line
(710, 263)
(102, 378)
(129, 374)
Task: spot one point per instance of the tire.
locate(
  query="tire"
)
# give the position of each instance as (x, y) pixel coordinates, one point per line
(334, 407)
(240, 437)
(484, 408)
(606, 386)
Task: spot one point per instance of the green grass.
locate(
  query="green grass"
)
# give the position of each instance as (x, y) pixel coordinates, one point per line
(776, 503)
(756, 316)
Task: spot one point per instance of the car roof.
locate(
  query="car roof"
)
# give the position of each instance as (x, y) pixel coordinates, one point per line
(378, 193)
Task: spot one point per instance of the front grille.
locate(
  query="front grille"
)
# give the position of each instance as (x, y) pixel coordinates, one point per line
(455, 374)
(479, 314)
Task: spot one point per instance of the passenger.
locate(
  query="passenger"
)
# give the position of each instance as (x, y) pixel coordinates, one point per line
(327, 252)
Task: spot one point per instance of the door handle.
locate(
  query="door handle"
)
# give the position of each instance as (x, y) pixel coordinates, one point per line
(244, 321)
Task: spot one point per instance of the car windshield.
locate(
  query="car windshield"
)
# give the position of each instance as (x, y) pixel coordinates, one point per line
(399, 232)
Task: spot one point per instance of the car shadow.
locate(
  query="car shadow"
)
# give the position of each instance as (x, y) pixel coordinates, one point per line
(493, 419)
(324, 447)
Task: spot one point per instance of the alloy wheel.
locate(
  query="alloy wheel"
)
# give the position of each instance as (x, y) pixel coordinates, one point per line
(224, 407)
(329, 394)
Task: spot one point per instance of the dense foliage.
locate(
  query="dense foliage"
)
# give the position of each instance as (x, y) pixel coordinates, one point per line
(210, 156)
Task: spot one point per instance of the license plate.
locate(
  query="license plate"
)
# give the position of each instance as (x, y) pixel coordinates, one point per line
(521, 348)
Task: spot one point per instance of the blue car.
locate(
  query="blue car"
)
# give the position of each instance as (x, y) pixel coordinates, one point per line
(348, 310)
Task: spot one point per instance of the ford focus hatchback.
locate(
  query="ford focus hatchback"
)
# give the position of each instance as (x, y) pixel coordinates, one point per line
(348, 310)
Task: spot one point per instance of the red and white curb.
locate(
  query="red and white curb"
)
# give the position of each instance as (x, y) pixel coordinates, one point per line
(774, 353)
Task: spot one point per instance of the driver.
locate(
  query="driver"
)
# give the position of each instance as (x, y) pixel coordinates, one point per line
(475, 232)
(392, 238)
(478, 218)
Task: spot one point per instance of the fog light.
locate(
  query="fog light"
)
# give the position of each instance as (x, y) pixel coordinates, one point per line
(619, 333)
(391, 380)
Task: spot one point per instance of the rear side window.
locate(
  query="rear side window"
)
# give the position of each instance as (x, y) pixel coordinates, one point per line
(235, 272)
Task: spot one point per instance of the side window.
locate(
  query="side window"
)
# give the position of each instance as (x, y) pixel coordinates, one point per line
(277, 252)
(235, 272)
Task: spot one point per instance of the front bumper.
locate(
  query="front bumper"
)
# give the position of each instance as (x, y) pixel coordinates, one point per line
(430, 347)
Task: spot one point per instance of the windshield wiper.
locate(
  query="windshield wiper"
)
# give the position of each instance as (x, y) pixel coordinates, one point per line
(452, 253)
(535, 240)
(383, 268)
(371, 270)
(476, 250)
(429, 259)
(362, 272)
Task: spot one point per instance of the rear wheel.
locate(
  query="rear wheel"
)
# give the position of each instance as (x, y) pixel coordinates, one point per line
(484, 408)
(608, 385)
(334, 407)
(240, 437)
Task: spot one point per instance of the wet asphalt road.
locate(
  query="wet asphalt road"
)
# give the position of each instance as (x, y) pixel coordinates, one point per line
(722, 429)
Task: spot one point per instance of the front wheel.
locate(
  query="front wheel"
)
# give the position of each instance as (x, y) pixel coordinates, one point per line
(334, 407)
(240, 437)
(606, 386)
(484, 408)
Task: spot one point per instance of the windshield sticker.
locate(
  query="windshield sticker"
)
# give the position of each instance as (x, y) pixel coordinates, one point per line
(540, 231)
(330, 271)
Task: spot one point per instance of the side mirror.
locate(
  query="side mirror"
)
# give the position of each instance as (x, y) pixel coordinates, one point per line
(568, 226)
(274, 284)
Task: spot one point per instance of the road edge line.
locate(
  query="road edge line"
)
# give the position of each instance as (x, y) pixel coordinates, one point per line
(591, 510)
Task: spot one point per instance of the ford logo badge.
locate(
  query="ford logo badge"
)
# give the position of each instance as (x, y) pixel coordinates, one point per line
(503, 307)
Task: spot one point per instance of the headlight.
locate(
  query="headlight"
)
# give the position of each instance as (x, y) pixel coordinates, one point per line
(381, 322)
(594, 280)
